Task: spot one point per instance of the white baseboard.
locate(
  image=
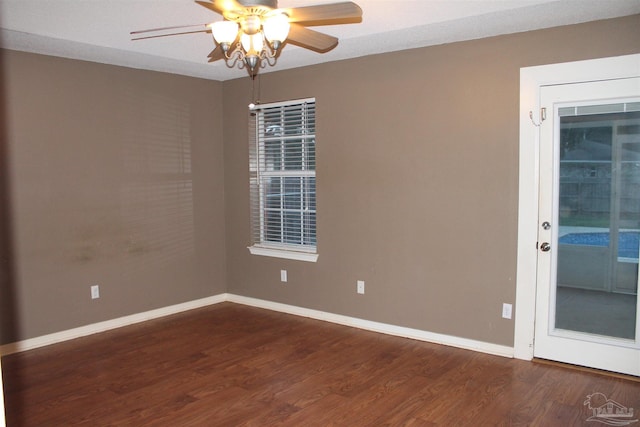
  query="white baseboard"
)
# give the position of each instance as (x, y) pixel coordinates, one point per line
(416, 334)
(94, 328)
(368, 325)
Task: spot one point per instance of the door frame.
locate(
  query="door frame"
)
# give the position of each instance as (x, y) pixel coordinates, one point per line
(531, 80)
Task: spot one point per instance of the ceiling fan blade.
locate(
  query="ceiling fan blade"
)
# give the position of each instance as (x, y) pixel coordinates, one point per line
(170, 34)
(221, 6)
(345, 12)
(175, 27)
(216, 54)
(310, 39)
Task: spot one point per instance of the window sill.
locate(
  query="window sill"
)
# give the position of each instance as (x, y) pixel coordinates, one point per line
(281, 253)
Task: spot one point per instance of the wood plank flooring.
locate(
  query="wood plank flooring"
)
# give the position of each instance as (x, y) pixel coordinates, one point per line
(231, 365)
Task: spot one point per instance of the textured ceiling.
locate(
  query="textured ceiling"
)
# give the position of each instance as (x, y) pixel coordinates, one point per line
(98, 30)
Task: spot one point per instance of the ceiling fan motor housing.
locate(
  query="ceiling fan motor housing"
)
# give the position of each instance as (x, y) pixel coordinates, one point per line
(251, 24)
(273, 4)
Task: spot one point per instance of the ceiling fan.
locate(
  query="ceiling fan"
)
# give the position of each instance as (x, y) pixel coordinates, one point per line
(253, 32)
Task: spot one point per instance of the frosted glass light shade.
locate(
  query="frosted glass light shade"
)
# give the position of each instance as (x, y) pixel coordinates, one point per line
(276, 28)
(224, 31)
(253, 44)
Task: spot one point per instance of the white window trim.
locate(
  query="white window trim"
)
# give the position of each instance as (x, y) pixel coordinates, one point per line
(283, 253)
(308, 253)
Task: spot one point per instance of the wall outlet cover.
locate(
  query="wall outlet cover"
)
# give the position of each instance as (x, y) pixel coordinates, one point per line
(506, 310)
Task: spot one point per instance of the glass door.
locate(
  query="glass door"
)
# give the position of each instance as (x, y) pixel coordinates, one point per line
(587, 295)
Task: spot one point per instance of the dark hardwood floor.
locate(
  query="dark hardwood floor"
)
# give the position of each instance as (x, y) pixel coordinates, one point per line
(231, 365)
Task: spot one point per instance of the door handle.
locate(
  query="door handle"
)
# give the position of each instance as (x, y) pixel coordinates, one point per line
(545, 247)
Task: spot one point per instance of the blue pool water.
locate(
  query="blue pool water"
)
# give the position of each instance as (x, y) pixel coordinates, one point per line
(628, 241)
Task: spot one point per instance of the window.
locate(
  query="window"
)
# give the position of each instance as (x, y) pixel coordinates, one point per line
(283, 179)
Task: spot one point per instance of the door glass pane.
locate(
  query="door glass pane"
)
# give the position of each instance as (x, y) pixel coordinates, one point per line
(599, 216)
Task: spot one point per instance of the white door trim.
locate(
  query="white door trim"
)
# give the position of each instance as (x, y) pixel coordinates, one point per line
(531, 80)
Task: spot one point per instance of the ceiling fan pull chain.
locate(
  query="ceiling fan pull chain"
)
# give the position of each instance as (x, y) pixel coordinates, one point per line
(255, 99)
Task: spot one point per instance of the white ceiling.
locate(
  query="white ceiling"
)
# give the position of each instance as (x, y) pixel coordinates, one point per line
(98, 30)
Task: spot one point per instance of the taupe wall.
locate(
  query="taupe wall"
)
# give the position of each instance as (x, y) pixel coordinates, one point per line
(417, 176)
(115, 177)
(137, 181)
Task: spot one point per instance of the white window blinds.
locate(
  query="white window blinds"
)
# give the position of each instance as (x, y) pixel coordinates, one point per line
(283, 175)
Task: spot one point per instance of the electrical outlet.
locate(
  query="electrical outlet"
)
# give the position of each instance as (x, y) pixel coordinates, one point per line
(95, 291)
(506, 310)
(283, 275)
(360, 287)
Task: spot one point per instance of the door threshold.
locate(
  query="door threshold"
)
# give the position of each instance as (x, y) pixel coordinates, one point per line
(610, 374)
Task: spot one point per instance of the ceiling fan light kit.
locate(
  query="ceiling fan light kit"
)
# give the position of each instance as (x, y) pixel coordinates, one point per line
(253, 32)
(260, 38)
